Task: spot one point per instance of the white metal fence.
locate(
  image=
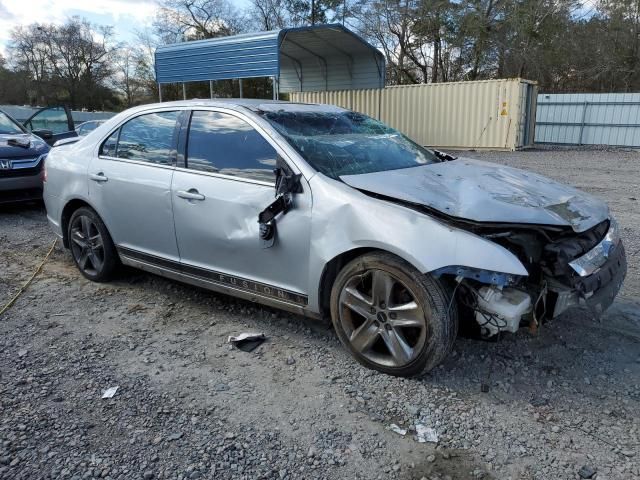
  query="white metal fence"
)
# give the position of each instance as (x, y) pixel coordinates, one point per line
(490, 114)
(589, 119)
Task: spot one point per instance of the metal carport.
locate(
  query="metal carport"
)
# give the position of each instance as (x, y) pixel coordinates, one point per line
(319, 57)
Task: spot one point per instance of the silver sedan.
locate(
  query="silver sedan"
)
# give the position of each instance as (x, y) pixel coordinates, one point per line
(326, 212)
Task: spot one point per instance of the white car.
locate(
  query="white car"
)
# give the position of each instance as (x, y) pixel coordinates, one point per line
(326, 212)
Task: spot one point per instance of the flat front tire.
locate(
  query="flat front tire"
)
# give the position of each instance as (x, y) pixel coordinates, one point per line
(391, 317)
(91, 245)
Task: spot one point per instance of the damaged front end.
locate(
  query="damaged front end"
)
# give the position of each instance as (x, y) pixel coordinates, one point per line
(565, 268)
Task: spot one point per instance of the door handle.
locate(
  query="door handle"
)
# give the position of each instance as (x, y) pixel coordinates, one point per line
(191, 194)
(98, 177)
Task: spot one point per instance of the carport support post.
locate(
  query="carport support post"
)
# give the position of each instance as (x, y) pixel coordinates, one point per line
(275, 87)
(160, 92)
(211, 89)
(240, 85)
(184, 91)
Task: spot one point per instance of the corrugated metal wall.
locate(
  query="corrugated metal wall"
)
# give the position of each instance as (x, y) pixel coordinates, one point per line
(589, 119)
(492, 114)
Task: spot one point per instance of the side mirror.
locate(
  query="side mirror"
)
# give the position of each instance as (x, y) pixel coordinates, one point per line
(287, 183)
(44, 134)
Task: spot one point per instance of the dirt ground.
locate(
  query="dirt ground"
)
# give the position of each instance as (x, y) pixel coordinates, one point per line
(563, 404)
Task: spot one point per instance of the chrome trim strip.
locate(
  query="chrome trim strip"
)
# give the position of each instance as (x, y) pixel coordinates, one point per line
(226, 177)
(136, 162)
(25, 162)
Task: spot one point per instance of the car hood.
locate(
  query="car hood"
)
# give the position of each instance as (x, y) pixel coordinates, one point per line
(486, 192)
(30, 146)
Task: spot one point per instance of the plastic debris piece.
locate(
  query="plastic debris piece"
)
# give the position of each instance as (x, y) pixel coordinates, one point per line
(110, 392)
(426, 434)
(395, 428)
(247, 342)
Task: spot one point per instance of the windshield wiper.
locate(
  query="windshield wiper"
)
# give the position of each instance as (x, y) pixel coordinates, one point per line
(19, 142)
(445, 157)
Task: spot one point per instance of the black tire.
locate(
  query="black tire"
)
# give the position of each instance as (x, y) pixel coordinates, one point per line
(91, 246)
(429, 294)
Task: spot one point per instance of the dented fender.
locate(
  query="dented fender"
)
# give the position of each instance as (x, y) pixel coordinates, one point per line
(347, 219)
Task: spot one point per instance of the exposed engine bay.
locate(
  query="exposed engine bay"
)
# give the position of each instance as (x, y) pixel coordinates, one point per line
(565, 269)
(565, 239)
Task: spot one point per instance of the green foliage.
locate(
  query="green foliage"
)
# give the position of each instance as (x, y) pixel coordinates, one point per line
(565, 45)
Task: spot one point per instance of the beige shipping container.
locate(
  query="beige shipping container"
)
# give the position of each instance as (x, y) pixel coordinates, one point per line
(489, 114)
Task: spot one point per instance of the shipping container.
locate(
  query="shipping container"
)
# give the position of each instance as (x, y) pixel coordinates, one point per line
(488, 114)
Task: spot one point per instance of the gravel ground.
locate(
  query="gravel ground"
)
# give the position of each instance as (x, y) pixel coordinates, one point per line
(561, 405)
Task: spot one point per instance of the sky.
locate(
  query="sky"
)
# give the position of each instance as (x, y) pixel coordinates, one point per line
(126, 16)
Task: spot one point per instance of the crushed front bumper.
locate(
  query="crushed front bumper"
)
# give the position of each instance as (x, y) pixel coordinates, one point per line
(599, 289)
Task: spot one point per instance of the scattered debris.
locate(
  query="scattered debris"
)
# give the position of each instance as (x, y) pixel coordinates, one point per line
(22, 353)
(587, 472)
(110, 392)
(539, 402)
(395, 428)
(426, 434)
(135, 308)
(247, 342)
(174, 436)
(290, 360)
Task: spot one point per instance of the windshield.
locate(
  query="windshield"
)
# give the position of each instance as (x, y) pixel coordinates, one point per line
(8, 125)
(347, 143)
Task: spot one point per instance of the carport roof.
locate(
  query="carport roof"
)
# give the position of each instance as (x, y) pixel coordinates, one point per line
(320, 57)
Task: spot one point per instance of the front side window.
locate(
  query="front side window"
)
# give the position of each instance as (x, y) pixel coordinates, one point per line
(347, 143)
(146, 138)
(8, 126)
(223, 143)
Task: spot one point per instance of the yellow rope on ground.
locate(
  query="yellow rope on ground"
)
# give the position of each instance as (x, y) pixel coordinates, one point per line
(28, 282)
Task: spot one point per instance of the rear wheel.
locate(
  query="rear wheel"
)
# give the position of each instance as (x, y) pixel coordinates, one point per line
(91, 246)
(391, 317)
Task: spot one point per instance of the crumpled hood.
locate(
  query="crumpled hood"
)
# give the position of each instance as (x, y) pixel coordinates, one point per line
(33, 146)
(486, 192)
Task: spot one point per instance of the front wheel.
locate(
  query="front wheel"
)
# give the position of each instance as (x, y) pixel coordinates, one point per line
(91, 246)
(391, 317)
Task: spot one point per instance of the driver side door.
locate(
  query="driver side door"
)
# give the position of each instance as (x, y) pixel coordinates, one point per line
(223, 181)
(51, 124)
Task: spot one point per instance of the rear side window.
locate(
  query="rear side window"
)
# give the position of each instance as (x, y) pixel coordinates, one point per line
(110, 144)
(146, 138)
(223, 143)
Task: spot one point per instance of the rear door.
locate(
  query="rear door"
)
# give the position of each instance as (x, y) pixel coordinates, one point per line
(51, 124)
(226, 180)
(130, 185)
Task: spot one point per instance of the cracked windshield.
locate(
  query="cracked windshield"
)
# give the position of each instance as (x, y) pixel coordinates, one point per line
(347, 143)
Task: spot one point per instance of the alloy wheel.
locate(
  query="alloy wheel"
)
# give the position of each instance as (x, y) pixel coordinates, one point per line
(87, 245)
(382, 319)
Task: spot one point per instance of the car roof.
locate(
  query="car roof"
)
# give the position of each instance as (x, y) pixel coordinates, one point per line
(252, 104)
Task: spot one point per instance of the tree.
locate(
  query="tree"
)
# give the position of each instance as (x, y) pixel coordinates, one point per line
(125, 79)
(69, 62)
(181, 20)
